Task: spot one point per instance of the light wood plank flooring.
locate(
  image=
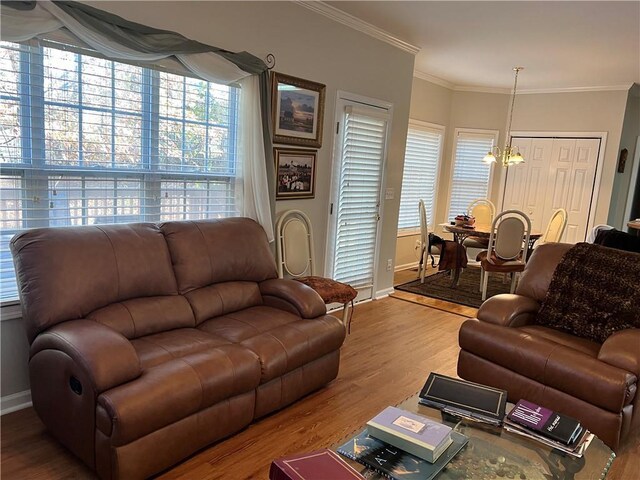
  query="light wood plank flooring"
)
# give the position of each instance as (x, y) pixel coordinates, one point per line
(394, 344)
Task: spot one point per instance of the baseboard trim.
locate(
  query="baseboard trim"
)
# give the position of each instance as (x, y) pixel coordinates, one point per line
(384, 293)
(406, 266)
(15, 402)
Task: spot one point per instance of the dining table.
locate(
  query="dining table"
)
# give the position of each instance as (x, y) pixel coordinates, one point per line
(481, 231)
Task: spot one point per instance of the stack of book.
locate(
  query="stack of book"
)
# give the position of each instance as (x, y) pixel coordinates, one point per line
(403, 445)
(551, 428)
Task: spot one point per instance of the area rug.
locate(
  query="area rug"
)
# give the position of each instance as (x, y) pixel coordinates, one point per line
(466, 293)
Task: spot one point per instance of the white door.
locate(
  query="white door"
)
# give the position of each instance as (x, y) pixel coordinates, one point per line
(557, 173)
(573, 171)
(358, 164)
(527, 182)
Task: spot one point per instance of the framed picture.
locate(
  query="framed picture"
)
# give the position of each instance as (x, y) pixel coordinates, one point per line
(295, 173)
(298, 110)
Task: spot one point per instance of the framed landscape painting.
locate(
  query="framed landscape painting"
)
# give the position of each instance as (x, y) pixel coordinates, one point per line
(298, 110)
(295, 173)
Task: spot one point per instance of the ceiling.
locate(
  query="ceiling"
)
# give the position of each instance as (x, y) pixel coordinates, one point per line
(562, 45)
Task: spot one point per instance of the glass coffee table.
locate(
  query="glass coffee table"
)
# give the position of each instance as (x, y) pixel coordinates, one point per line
(494, 453)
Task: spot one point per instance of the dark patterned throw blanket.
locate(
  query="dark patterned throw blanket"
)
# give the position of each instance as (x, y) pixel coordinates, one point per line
(594, 292)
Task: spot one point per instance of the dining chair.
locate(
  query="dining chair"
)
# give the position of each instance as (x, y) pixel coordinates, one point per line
(555, 227)
(294, 254)
(424, 249)
(507, 249)
(483, 210)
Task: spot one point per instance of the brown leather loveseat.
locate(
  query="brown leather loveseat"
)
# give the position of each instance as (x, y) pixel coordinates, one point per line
(505, 348)
(149, 342)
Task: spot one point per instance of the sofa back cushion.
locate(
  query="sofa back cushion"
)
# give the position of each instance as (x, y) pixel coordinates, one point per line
(206, 252)
(66, 273)
(146, 315)
(537, 275)
(223, 298)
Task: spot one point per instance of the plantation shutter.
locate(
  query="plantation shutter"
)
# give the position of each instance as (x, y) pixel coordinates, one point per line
(359, 197)
(421, 160)
(470, 179)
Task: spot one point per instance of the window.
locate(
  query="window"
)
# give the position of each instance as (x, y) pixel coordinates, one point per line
(471, 178)
(420, 176)
(85, 140)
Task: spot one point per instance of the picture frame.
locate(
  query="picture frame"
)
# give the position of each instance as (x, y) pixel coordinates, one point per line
(295, 173)
(297, 110)
(622, 160)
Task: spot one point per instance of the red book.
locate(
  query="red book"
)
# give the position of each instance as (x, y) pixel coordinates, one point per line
(318, 465)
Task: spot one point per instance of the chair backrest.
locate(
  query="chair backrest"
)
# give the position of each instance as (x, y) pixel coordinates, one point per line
(510, 231)
(555, 227)
(483, 210)
(294, 246)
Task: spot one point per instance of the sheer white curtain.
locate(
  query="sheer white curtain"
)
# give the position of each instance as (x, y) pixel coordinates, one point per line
(253, 200)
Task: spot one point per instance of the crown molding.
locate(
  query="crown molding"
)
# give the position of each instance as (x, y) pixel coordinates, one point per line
(357, 24)
(507, 91)
(433, 79)
(478, 89)
(599, 88)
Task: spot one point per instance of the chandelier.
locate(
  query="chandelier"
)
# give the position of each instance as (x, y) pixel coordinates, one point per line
(509, 155)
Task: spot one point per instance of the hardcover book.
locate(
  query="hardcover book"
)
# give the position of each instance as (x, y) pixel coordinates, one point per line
(391, 462)
(318, 465)
(411, 432)
(556, 426)
(465, 399)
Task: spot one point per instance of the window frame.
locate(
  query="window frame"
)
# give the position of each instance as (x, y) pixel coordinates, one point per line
(37, 170)
(495, 134)
(431, 128)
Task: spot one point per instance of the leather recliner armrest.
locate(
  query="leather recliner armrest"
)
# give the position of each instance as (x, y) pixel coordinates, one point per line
(508, 310)
(304, 298)
(106, 356)
(622, 350)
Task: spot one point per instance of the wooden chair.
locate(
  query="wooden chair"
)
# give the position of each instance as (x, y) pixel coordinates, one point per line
(483, 210)
(555, 227)
(294, 252)
(507, 249)
(424, 242)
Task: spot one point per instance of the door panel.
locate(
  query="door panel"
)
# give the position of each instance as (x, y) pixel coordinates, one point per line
(580, 188)
(358, 167)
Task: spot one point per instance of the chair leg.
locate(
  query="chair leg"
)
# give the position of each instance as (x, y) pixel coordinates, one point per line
(345, 314)
(481, 279)
(514, 276)
(485, 281)
(422, 267)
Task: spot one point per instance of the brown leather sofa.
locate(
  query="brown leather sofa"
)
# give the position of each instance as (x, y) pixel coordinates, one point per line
(149, 342)
(593, 382)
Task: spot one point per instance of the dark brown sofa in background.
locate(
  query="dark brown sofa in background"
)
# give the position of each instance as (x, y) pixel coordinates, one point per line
(593, 382)
(149, 342)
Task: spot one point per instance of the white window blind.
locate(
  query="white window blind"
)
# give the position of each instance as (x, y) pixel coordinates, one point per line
(85, 140)
(470, 179)
(359, 198)
(419, 178)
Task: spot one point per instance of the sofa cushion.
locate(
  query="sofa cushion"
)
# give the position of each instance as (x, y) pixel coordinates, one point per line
(282, 341)
(583, 345)
(174, 390)
(222, 298)
(205, 252)
(161, 347)
(143, 316)
(66, 273)
(547, 362)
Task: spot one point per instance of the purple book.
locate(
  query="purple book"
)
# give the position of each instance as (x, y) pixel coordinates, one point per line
(546, 422)
(411, 432)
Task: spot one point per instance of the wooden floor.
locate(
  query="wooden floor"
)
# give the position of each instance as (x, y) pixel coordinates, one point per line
(393, 346)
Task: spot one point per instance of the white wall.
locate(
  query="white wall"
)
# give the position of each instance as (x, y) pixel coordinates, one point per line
(307, 45)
